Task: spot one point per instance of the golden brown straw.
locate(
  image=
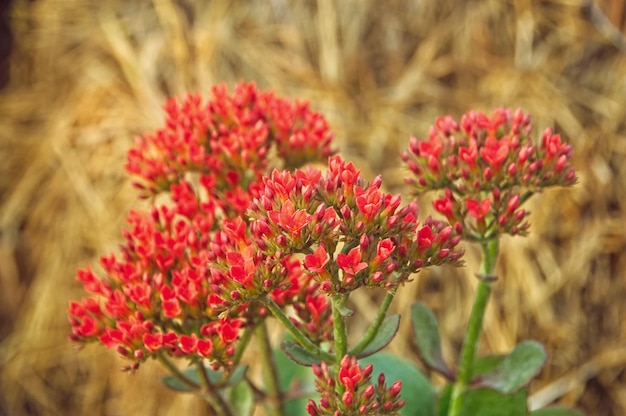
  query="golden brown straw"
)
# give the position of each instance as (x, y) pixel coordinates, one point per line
(87, 76)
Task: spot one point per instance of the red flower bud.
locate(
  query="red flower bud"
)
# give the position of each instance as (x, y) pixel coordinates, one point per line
(311, 408)
(347, 398)
(513, 204)
(395, 388)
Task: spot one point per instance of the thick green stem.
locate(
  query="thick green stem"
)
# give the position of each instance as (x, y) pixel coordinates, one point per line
(306, 343)
(375, 326)
(274, 398)
(474, 326)
(340, 313)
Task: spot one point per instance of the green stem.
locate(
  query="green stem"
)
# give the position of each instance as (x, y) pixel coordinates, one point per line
(474, 326)
(375, 326)
(306, 343)
(241, 346)
(210, 394)
(274, 398)
(340, 333)
(176, 372)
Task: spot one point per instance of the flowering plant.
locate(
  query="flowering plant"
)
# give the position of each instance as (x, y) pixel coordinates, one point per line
(240, 231)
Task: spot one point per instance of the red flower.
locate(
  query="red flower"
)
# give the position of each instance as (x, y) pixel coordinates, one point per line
(188, 343)
(153, 342)
(478, 210)
(495, 151)
(351, 263)
(317, 261)
(445, 206)
(369, 201)
(289, 219)
(383, 250)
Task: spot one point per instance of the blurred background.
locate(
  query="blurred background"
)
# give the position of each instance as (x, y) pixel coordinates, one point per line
(81, 78)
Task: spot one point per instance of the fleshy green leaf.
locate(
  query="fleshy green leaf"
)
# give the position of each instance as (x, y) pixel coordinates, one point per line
(427, 339)
(295, 380)
(241, 399)
(416, 388)
(486, 364)
(556, 411)
(216, 378)
(486, 402)
(517, 369)
(386, 332)
(237, 375)
(298, 354)
(175, 384)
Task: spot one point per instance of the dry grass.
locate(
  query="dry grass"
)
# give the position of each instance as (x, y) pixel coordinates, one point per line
(87, 76)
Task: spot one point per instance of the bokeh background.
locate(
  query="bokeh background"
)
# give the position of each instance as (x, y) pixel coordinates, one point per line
(81, 78)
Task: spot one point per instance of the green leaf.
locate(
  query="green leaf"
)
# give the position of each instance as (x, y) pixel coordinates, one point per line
(386, 332)
(427, 339)
(486, 402)
(297, 380)
(298, 354)
(556, 411)
(417, 391)
(486, 364)
(517, 369)
(241, 399)
(237, 375)
(216, 378)
(175, 384)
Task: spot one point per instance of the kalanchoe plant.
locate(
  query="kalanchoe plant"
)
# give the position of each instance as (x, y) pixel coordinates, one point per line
(486, 167)
(239, 232)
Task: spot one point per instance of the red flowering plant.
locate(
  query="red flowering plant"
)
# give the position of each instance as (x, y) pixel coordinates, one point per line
(486, 167)
(239, 230)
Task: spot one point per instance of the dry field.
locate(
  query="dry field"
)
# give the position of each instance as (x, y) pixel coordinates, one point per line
(87, 76)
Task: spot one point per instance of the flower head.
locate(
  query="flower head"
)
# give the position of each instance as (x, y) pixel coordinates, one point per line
(488, 166)
(351, 233)
(189, 271)
(349, 391)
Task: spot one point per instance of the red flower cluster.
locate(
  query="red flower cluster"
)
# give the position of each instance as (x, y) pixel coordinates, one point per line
(188, 269)
(227, 140)
(379, 243)
(349, 392)
(488, 166)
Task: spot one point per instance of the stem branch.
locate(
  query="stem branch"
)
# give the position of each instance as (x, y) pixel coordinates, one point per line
(210, 394)
(274, 398)
(174, 371)
(306, 343)
(375, 326)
